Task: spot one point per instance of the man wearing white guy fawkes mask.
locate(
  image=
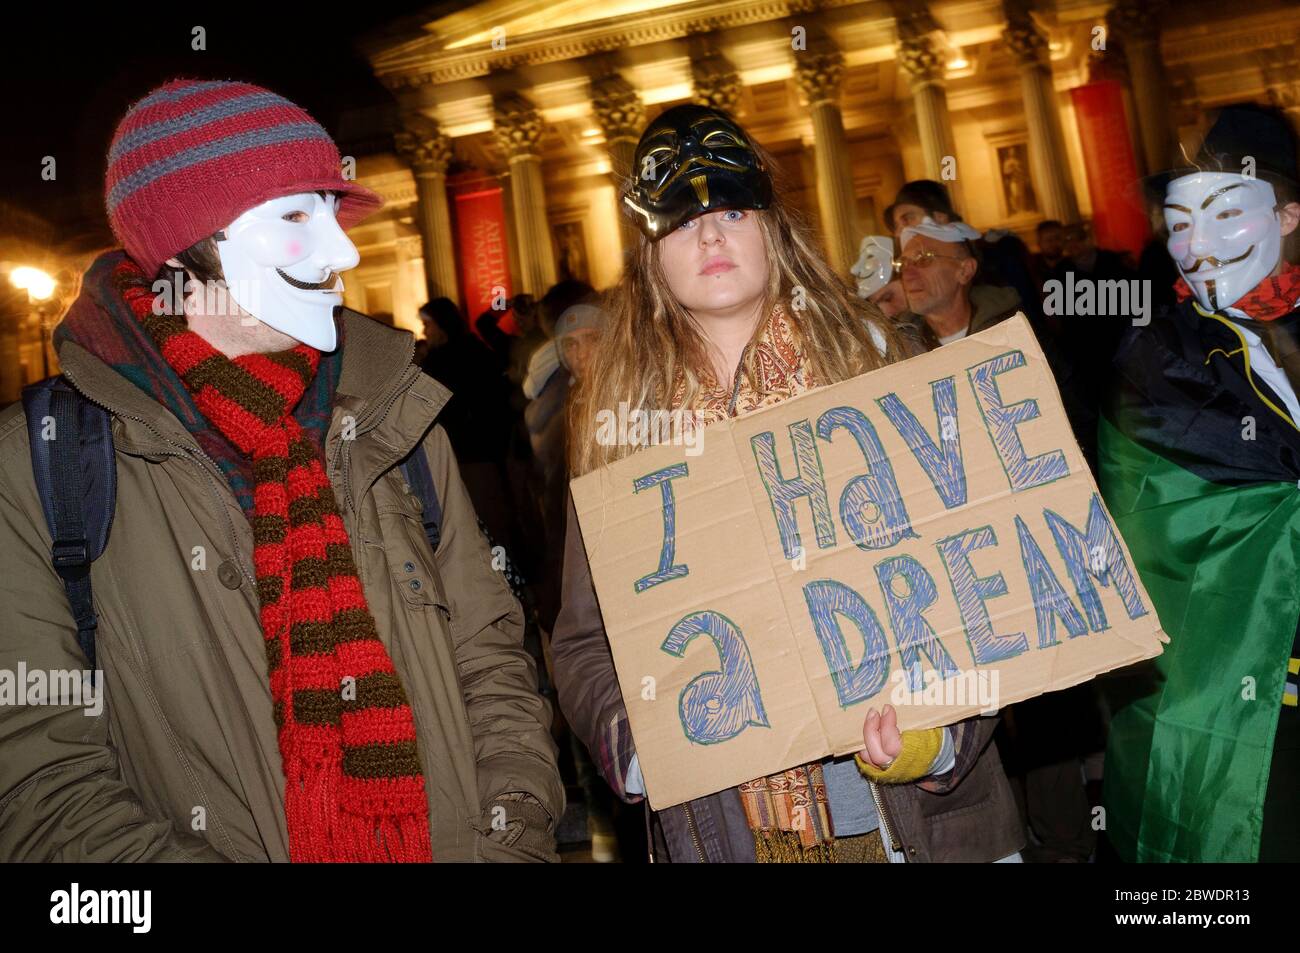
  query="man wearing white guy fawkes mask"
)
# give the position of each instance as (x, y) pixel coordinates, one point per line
(1200, 465)
(1225, 236)
(281, 261)
(291, 540)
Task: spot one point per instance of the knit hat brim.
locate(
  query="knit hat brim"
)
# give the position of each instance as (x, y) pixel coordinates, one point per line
(356, 203)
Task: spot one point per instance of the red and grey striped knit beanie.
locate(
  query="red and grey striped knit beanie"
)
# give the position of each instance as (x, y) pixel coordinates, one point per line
(193, 156)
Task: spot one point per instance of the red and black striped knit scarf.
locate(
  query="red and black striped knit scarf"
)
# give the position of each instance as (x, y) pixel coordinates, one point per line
(354, 788)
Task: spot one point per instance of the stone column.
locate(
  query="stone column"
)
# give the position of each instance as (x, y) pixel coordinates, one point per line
(621, 116)
(1047, 157)
(1136, 24)
(924, 67)
(13, 311)
(820, 74)
(428, 151)
(518, 128)
(512, 234)
(410, 269)
(11, 372)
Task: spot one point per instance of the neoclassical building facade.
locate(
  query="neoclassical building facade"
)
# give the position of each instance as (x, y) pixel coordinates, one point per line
(518, 118)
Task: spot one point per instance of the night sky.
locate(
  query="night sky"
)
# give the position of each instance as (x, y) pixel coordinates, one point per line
(69, 77)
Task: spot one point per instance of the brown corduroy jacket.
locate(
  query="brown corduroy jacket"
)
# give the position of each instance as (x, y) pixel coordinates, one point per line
(183, 761)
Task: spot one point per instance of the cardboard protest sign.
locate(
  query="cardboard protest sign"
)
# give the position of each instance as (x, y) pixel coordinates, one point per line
(927, 536)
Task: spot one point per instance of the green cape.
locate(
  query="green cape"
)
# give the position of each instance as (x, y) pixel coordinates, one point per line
(1187, 762)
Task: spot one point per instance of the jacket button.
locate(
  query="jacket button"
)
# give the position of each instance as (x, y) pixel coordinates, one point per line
(409, 566)
(415, 585)
(229, 575)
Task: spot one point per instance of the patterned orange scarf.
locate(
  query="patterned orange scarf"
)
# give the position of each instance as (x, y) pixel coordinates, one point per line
(780, 367)
(788, 812)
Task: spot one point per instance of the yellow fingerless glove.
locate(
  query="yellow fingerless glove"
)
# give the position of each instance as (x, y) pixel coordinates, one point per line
(920, 748)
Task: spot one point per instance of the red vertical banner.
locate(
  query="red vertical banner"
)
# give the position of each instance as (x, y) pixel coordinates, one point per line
(481, 249)
(1119, 221)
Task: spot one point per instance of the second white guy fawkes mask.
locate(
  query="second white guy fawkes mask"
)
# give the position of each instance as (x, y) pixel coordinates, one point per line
(875, 265)
(281, 261)
(1224, 234)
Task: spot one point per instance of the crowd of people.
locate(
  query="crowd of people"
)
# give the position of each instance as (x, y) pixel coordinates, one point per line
(400, 654)
(933, 280)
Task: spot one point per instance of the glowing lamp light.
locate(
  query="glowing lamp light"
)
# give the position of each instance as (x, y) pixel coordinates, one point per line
(38, 285)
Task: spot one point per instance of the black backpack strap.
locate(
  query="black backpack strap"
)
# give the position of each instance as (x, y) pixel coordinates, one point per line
(418, 476)
(76, 478)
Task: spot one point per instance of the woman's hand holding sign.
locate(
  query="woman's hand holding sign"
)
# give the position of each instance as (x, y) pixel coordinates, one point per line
(882, 738)
(891, 756)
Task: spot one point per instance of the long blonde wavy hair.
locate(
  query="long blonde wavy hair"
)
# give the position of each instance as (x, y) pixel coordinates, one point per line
(650, 341)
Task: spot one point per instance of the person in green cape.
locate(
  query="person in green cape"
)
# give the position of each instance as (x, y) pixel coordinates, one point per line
(1199, 451)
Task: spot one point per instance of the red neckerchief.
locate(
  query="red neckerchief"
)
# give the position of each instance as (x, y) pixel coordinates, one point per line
(1271, 298)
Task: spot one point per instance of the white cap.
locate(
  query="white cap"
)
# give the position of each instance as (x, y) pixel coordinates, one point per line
(579, 317)
(952, 233)
(875, 265)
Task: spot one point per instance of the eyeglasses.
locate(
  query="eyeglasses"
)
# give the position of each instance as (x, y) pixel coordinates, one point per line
(921, 260)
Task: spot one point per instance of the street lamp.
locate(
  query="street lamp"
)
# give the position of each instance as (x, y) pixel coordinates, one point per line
(39, 286)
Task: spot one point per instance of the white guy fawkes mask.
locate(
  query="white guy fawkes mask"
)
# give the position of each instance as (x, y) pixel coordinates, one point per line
(1224, 234)
(282, 260)
(875, 264)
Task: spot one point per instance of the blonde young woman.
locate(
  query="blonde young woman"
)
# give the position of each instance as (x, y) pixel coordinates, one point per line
(705, 321)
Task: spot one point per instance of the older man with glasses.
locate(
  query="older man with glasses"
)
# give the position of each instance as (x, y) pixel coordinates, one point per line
(938, 268)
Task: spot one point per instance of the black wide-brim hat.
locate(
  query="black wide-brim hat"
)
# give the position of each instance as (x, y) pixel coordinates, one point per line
(691, 160)
(1240, 132)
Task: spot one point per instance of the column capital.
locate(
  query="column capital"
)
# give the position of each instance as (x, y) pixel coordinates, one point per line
(1285, 96)
(517, 125)
(1281, 66)
(422, 143)
(716, 82)
(409, 247)
(617, 107)
(820, 74)
(1022, 35)
(1136, 20)
(918, 56)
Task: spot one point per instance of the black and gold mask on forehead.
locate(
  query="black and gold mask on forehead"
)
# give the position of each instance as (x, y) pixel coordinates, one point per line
(692, 160)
